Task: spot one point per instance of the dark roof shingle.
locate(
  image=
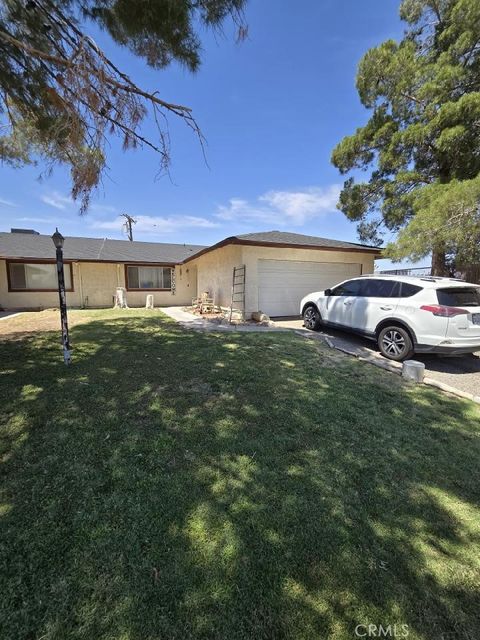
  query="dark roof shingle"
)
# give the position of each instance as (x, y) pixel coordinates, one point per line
(40, 247)
(285, 237)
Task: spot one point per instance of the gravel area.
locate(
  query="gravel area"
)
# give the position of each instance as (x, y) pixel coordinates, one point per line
(201, 323)
(461, 372)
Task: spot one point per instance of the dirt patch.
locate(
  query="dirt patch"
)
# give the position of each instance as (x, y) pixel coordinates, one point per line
(27, 323)
(223, 318)
(212, 315)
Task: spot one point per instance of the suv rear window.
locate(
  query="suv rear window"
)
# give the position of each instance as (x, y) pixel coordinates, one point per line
(459, 297)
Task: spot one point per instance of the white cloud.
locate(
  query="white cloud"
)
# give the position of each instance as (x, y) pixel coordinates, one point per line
(7, 203)
(102, 208)
(62, 202)
(283, 207)
(243, 210)
(57, 200)
(39, 220)
(300, 205)
(156, 225)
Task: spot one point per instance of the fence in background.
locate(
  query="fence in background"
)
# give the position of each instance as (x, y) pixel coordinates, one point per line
(470, 273)
(415, 271)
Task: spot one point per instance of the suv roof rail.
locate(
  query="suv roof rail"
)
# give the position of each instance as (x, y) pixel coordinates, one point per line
(389, 275)
(378, 275)
(447, 278)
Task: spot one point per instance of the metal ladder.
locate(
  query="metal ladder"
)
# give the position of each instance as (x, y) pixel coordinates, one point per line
(238, 291)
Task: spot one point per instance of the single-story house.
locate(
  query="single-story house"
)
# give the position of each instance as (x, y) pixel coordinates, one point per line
(280, 268)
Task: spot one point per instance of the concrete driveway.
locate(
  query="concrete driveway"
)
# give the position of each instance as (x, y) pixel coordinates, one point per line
(8, 314)
(462, 372)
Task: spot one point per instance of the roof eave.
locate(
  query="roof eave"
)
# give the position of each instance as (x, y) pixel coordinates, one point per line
(159, 263)
(282, 245)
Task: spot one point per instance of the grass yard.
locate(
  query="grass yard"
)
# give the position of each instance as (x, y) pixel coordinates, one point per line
(174, 485)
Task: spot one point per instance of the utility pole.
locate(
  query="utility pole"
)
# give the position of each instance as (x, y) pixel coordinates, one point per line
(127, 225)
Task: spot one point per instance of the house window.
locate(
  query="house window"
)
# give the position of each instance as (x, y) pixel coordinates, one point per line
(36, 276)
(149, 278)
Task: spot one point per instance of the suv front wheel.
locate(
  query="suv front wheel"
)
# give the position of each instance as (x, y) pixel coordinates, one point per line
(395, 343)
(311, 318)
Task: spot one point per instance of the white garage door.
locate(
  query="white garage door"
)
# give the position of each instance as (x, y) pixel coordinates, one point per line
(283, 283)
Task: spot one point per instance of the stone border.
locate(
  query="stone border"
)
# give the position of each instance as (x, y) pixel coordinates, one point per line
(389, 365)
(456, 392)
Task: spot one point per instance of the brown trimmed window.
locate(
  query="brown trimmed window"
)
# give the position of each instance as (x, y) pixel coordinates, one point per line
(153, 278)
(36, 276)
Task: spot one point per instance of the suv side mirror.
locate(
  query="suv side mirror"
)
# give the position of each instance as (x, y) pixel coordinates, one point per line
(328, 292)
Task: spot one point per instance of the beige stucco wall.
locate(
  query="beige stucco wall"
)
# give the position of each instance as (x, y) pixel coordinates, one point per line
(214, 271)
(94, 286)
(215, 268)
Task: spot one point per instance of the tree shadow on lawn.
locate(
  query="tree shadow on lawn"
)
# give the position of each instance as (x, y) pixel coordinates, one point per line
(172, 484)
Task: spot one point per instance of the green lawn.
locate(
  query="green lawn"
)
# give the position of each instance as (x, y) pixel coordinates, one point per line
(173, 485)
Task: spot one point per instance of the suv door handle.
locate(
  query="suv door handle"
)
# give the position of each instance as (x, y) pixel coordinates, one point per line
(347, 303)
(387, 308)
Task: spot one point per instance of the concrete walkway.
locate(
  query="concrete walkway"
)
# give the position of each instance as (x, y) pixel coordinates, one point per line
(9, 314)
(191, 321)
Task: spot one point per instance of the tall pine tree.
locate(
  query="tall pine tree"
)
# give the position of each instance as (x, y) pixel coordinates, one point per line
(421, 145)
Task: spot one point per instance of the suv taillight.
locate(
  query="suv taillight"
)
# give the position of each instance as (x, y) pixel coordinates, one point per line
(444, 311)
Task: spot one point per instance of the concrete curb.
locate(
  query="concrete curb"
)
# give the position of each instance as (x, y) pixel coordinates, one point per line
(393, 367)
(387, 365)
(305, 333)
(448, 389)
(329, 342)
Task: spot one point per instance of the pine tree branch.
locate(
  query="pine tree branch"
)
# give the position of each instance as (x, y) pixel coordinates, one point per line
(178, 109)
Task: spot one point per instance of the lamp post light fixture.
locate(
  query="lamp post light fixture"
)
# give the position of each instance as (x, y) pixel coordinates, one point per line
(58, 241)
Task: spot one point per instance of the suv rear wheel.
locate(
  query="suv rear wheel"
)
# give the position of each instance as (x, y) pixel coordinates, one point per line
(395, 343)
(311, 318)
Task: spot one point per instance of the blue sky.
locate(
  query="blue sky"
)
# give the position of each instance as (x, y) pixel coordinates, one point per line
(271, 108)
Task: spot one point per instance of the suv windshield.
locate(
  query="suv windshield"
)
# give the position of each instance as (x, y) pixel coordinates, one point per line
(459, 297)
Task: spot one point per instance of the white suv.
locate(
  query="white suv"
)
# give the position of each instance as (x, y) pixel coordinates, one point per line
(403, 314)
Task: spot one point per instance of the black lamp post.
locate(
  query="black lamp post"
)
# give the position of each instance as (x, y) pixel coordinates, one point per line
(58, 241)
